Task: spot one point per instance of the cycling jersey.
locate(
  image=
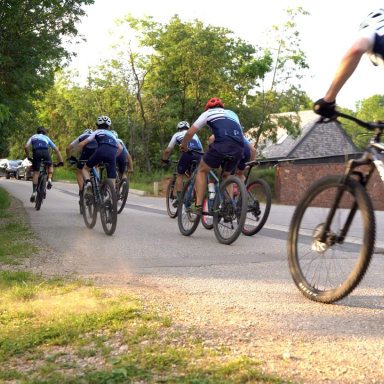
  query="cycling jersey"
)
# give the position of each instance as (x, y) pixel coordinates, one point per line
(178, 138)
(40, 141)
(125, 150)
(103, 136)
(375, 35)
(224, 125)
(91, 145)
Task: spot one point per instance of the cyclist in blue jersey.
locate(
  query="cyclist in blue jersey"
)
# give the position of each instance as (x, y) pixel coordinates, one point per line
(106, 152)
(40, 147)
(123, 158)
(86, 153)
(370, 41)
(186, 159)
(225, 126)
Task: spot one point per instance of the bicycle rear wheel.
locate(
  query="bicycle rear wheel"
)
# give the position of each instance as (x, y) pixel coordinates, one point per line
(258, 206)
(170, 199)
(108, 207)
(229, 213)
(206, 220)
(89, 210)
(40, 191)
(327, 270)
(187, 221)
(122, 194)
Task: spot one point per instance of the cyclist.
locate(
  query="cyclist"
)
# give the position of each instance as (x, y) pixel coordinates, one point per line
(249, 155)
(106, 152)
(40, 147)
(225, 125)
(370, 41)
(86, 153)
(186, 159)
(123, 158)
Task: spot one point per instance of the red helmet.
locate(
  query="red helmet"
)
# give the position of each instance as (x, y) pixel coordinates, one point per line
(214, 102)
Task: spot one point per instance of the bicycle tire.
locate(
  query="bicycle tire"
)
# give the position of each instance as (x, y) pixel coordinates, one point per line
(41, 185)
(206, 220)
(122, 194)
(328, 272)
(186, 220)
(108, 207)
(89, 210)
(170, 199)
(229, 213)
(257, 214)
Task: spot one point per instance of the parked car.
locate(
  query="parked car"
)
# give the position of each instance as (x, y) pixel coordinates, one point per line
(24, 170)
(8, 167)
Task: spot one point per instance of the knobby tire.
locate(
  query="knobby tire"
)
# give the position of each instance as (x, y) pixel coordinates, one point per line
(187, 221)
(108, 207)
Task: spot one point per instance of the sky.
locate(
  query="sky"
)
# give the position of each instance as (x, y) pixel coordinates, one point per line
(325, 35)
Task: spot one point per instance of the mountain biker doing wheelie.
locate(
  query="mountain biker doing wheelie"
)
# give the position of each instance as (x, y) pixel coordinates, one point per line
(225, 125)
(186, 159)
(40, 147)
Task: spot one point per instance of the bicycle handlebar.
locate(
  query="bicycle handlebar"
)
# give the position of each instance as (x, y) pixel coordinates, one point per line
(370, 125)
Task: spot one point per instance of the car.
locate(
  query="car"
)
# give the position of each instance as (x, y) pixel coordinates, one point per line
(8, 167)
(24, 170)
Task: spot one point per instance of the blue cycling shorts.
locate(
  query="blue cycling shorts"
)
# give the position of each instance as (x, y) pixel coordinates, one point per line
(105, 153)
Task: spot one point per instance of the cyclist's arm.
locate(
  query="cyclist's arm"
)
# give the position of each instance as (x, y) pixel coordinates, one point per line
(80, 146)
(119, 148)
(58, 154)
(68, 150)
(167, 152)
(129, 158)
(188, 137)
(26, 148)
(347, 66)
(253, 152)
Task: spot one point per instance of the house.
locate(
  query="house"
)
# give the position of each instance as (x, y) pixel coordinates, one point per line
(318, 142)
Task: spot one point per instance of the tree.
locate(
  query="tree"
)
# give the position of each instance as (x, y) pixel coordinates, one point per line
(32, 34)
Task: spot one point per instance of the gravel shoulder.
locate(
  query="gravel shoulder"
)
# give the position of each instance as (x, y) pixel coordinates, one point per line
(299, 340)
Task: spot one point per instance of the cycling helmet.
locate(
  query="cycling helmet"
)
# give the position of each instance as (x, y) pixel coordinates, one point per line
(115, 133)
(182, 125)
(103, 120)
(213, 103)
(88, 131)
(42, 130)
(375, 17)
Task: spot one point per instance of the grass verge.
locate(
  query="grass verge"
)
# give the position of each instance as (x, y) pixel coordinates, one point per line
(67, 330)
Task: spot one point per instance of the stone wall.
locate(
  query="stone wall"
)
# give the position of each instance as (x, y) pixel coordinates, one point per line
(291, 181)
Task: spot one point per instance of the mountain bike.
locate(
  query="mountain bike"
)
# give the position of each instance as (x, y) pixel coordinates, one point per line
(332, 232)
(101, 199)
(171, 201)
(258, 204)
(41, 191)
(228, 211)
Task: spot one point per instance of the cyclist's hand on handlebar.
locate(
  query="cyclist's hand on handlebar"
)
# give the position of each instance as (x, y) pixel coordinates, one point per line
(165, 161)
(325, 109)
(61, 164)
(73, 160)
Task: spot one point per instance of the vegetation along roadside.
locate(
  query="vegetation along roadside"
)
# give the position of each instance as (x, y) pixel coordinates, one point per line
(68, 330)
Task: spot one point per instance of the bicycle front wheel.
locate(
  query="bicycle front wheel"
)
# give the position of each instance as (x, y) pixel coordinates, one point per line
(108, 207)
(187, 220)
(40, 191)
(171, 199)
(89, 210)
(229, 212)
(258, 206)
(122, 194)
(326, 269)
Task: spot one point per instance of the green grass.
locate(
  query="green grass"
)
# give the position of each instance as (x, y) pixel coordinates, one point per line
(67, 330)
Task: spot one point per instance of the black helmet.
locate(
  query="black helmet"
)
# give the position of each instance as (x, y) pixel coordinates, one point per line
(42, 130)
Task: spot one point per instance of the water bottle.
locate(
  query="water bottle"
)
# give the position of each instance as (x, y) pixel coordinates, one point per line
(211, 190)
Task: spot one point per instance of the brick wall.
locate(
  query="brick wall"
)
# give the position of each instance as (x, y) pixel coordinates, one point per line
(291, 181)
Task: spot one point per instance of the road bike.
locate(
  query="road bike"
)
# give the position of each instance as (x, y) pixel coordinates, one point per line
(102, 198)
(41, 191)
(332, 232)
(258, 203)
(171, 201)
(228, 211)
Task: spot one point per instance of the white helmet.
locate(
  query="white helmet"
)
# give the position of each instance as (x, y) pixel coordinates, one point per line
(182, 124)
(375, 17)
(115, 133)
(87, 131)
(103, 120)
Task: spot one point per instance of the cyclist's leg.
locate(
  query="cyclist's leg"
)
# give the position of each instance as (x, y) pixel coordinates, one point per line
(201, 182)
(109, 157)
